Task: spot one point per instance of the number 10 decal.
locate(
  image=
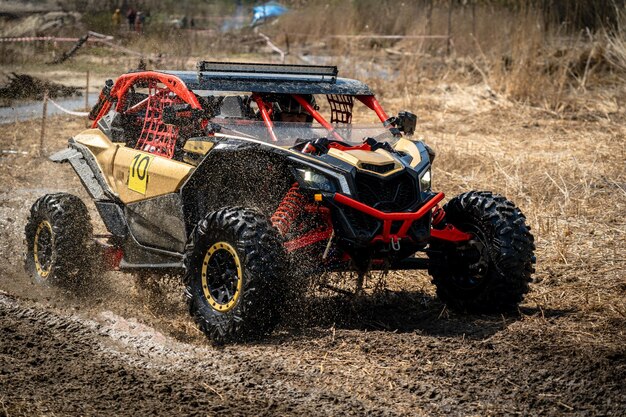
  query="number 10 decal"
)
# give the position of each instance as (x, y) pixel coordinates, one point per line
(138, 173)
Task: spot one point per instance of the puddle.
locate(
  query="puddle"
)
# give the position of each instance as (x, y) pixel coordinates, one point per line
(32, 110)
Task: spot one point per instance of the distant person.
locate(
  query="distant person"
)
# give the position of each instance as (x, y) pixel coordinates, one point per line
(139, 21)
(131, 16)
(116, 19)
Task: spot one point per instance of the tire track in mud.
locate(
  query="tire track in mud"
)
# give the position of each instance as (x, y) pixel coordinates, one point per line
(57, 364)
(53, 363)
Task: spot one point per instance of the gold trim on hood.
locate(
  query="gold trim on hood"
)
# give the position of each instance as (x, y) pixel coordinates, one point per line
(360, 158)
(409, 147)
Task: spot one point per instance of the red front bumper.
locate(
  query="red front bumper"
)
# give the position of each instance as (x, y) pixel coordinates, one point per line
(449, 233)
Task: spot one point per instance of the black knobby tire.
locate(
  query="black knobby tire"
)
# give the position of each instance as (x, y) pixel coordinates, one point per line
(241, 244)
(59, 238)
(490, 273)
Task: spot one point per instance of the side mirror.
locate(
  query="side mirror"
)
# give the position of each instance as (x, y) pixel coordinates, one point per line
(406, 122)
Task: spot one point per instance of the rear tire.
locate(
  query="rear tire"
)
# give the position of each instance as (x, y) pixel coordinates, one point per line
(491, 272)
(234, 275)
(59, 239)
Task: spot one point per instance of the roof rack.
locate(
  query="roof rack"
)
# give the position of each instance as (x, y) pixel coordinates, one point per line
(267, 72)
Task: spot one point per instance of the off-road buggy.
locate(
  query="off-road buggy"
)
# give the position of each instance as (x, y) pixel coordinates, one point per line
(247, 177)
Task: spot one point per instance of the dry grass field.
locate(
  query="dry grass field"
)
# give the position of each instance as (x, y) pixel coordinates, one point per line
(538, 118)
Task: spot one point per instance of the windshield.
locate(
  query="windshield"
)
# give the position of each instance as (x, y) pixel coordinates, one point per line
(289, 133)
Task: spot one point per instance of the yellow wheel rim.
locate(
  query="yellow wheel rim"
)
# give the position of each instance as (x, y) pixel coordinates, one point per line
(221, 277)
(43, 261)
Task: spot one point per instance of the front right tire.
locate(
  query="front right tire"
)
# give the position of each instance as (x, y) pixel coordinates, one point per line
(235, 265)
(490, 272)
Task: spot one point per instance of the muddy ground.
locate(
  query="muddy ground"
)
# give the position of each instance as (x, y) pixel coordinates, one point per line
(124, 350)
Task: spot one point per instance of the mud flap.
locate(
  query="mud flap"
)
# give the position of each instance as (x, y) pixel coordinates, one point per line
(86, 168)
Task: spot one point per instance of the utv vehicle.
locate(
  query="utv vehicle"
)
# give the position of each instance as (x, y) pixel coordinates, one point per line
(242, 177)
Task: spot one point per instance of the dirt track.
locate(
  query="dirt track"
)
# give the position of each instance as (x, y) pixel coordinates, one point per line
(56, 363)
(396, 352)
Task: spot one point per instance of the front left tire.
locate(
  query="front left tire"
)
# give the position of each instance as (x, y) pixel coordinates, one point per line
(235, 267)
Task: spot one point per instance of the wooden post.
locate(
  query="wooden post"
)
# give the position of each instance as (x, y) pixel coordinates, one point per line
(87, 91)
(448, 46)
(429, 23)
(429, 18)
(87, 97)
(43, 123)
(474, 19)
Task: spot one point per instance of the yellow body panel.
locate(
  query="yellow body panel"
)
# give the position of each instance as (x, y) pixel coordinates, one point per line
(407, 146)
(200, 147)
(136, 180)
(195, 150)
(131, 174)
(357, 158)
(102, 148)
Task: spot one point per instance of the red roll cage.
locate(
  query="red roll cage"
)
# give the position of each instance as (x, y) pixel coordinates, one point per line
(175, 85)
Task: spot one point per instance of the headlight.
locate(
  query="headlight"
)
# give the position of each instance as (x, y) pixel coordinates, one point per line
(425, 181)
(314, 180)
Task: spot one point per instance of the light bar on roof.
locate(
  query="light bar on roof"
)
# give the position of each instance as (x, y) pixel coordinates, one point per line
(247, 71)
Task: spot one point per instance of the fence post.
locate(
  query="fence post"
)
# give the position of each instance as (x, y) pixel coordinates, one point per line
(43, 123)
(87, 97)
(474, 19)
(87, 91)
(448, 45)
(429, 18)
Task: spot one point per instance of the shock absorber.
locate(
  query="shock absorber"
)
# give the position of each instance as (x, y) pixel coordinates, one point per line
(438, 215)
(289, 209)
